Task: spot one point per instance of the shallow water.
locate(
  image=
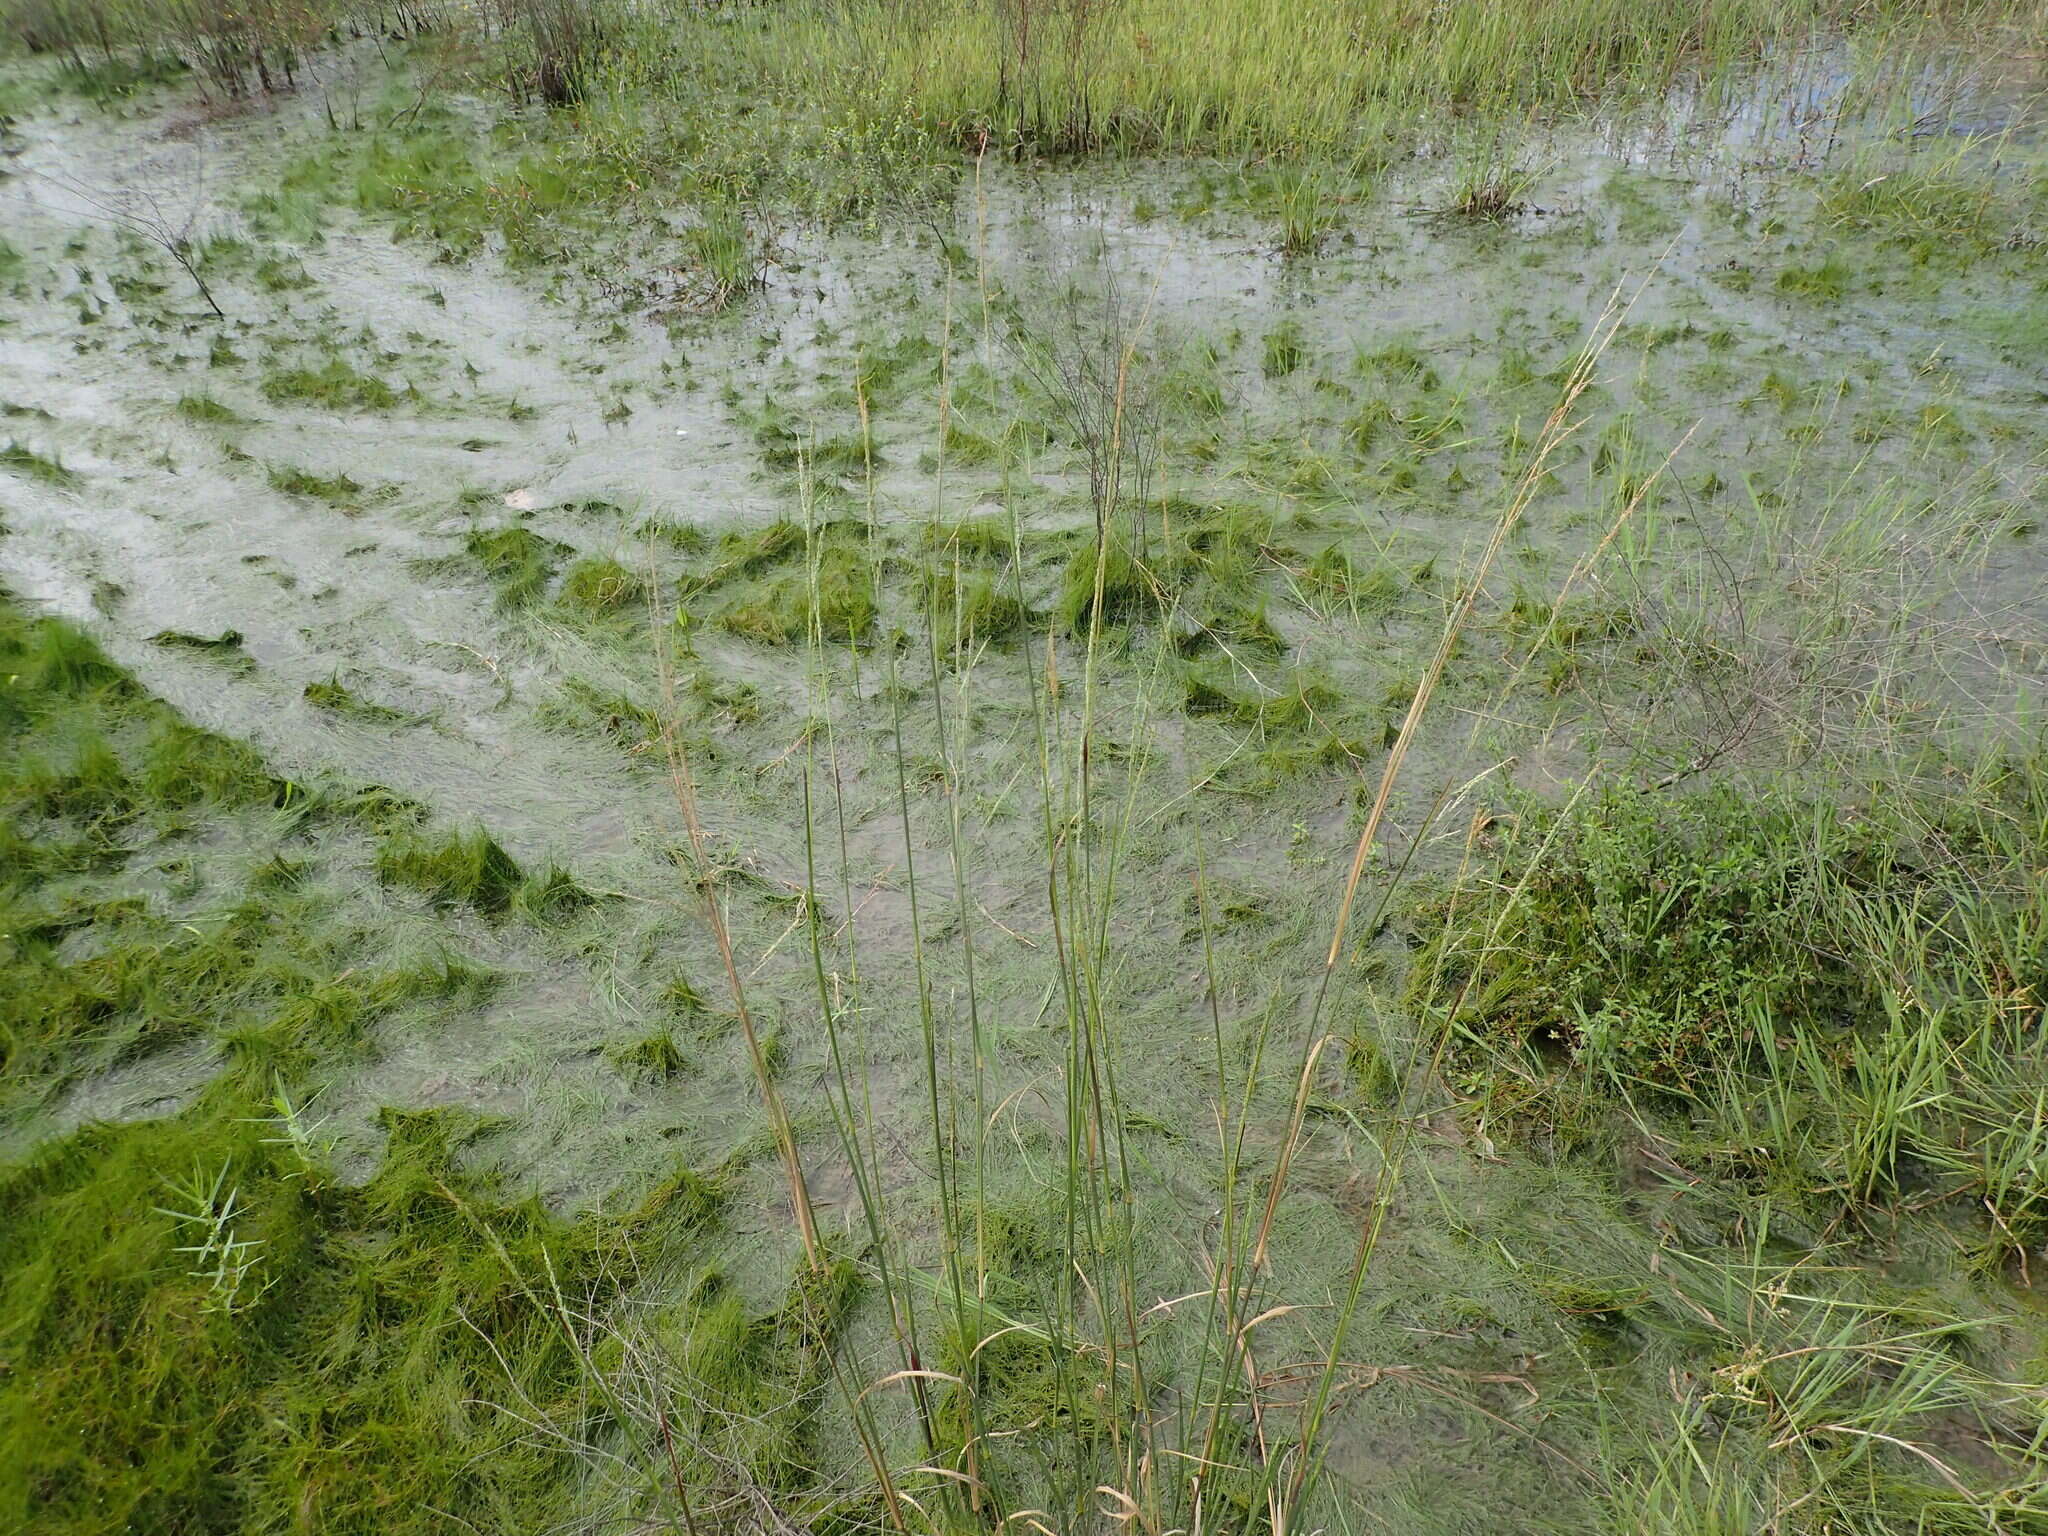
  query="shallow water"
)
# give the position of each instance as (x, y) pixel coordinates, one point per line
(167, 530)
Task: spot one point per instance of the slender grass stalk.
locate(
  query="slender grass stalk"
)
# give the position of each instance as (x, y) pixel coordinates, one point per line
(683, 787)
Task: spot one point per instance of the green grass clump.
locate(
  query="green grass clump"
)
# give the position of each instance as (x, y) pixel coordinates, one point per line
(1827, 279)
(1825, 1000)
(836, 591)
(207, 411)
(1364, 586)
(183, 766)
(470, 868)
(466, 867)
(146, 985)
(335, 696)
(25, 461)
(552, 895)
(1303, 201)
(87, 985)
(1284, 350)
(519, 562)
(965, 446)
(333, 384)
(87, 760)
(654, 1058)
(772, 583)
(743, 553)
(723, 258)
(969, 589)
(1571, 623)
(1132, 586)
(1657, 934)
(1935, 210)
(1026, 1383)
(973, 538)
(1226, 542)
(887, 371)
(225, 647)
(1193, 383)
(1668, 939)
(48, 663)
(430, 177)
(445, 978)
(583, 706)
(90, 786)
(335, 490)
(1400, 362)
(970, 603)
(600, 587)
(277, 274)
(761, 1379)
(1231, 624)
(1289, 710)
(786, 446)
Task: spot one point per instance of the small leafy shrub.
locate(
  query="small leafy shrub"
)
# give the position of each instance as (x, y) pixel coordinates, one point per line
(1653, 937)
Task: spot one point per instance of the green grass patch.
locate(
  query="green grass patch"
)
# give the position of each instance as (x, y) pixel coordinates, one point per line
(209, 412)
(1827, 280)
(336, 697)
(520, 563)
(224, 648)
(968, 603)
(601, 588)
(469, 868)
(211, 1332)
(653, 1058)
(334, 384)
(25, 461)
(1284, 350)
(775, 583)
(335, 490)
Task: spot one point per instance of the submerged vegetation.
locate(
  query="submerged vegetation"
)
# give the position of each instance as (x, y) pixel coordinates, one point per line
(735, 799)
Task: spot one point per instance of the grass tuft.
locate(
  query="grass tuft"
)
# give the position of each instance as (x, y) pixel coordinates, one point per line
(334, 385)
(25, 461)
(469, 868)
(207, 411)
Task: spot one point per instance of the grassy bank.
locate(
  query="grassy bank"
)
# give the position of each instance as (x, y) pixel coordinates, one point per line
(867, 91)
(1336, 80)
